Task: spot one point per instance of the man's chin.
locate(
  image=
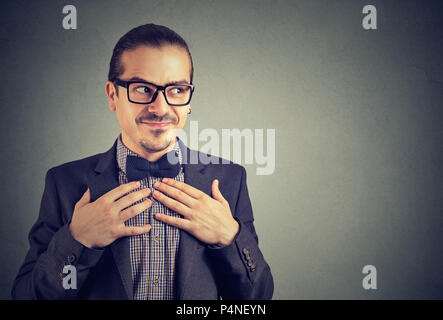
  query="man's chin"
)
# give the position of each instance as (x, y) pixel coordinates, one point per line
(158, 139)
(157, 144)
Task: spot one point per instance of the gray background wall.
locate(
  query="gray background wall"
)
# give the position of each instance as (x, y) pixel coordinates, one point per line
(357, 113)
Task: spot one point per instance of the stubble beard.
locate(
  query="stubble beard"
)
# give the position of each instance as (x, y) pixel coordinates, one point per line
(161, 140)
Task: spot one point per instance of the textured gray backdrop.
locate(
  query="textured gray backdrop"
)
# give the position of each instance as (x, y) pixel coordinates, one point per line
(358, 119)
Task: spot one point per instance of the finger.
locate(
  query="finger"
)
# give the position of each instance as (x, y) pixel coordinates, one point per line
(173, 221)
(134, 210)
(121, 190)
(85, 199)
(171, 203)
(216, 194)
(186, 188)
(175, 193)
(135, 231)
(131, 198)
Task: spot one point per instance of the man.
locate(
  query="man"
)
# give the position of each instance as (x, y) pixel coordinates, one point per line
(141, 221)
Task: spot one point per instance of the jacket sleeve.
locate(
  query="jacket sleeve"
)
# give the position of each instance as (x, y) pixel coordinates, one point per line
(51, 248)
(241, 269)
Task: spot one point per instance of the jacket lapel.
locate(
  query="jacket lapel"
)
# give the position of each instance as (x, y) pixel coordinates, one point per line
(103, 179)
(195, 176)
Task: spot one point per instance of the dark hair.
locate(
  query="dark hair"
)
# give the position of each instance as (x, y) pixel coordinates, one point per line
(150, 35)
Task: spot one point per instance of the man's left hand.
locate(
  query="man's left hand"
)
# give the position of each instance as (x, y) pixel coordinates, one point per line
(209, 219)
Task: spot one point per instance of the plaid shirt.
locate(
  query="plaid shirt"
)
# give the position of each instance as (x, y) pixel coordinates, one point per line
(153, 254)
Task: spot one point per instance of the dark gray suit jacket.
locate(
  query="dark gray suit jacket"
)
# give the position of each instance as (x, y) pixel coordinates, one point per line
(237, 271)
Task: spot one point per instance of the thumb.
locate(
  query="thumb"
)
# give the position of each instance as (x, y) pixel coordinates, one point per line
(85, 199)
(216, 194)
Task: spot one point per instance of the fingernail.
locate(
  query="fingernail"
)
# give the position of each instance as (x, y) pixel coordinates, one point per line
(156, 184)
(165, 179)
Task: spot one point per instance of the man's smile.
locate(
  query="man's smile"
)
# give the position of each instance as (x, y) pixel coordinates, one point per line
(156, 124)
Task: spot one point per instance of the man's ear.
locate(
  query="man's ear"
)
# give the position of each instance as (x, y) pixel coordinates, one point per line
(111, 92)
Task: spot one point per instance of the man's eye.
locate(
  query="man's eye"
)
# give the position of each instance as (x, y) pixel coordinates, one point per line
(143, 89)
(176, 90)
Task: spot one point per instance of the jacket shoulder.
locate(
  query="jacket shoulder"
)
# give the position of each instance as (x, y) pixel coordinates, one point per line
(75, 169)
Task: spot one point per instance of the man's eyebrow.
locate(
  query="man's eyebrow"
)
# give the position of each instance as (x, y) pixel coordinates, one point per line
(176, 82)
(138, 79)
(144, 80)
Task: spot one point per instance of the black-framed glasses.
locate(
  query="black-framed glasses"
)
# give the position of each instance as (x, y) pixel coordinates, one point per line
(143, 92)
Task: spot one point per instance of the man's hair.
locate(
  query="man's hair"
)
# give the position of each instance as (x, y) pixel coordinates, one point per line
(149, 35)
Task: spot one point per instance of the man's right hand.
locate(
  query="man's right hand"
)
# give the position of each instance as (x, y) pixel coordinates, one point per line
(99, 223)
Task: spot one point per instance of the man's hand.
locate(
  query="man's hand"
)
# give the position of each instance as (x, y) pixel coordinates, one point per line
(101, 222)
(208, 219)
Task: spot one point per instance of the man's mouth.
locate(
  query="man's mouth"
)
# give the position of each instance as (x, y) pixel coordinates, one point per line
(156, 124)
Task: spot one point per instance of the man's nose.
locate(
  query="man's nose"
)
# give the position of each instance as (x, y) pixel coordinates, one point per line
(159, 106)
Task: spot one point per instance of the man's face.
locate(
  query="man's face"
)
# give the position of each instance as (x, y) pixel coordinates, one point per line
(150, 128)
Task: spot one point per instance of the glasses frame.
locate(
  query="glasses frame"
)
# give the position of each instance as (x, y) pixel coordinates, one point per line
(126, 84)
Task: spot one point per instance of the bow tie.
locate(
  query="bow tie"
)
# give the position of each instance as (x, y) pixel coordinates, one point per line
(138, 168)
